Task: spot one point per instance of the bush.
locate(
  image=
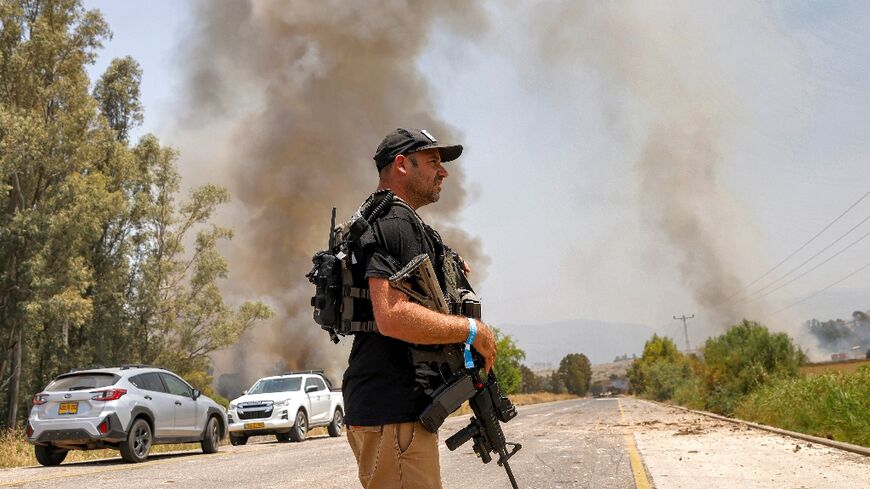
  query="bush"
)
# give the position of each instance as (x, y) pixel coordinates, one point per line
(743, 359)
(690, 393)
(659, 371)
(833, 405)
(664, 378)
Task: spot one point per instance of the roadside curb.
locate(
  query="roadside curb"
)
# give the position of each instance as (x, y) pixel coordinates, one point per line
(793, 434)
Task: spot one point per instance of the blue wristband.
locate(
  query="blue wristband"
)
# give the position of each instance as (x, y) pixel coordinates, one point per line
(472, 333)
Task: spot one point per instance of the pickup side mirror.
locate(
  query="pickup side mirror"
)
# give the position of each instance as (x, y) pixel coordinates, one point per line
(244, 393)
(310, 388)
(196, 393)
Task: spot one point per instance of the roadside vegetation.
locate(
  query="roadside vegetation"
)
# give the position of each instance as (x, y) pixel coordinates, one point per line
(753, 374)
(103, 260)
(834, 405)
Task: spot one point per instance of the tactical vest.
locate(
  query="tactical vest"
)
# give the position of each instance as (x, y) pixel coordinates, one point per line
(342, 302)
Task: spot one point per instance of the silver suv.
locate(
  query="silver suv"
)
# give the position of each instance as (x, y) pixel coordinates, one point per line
(129, 408)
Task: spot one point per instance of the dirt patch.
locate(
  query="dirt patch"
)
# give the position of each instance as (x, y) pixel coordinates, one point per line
(690, 430)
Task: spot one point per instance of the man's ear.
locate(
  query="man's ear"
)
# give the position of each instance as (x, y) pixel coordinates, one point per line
(401, 164)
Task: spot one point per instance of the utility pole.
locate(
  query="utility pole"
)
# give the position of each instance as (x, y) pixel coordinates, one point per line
(685, 329)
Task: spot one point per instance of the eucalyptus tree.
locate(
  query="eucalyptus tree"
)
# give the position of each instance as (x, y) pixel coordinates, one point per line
(92, 264)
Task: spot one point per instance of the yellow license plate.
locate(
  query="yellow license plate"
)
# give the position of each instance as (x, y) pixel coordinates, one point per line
(68, 408)
(255, 426)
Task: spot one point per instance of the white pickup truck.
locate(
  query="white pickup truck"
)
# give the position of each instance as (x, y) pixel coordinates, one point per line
(287, 406)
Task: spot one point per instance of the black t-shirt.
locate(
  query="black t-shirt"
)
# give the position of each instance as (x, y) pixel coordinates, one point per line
(379, 384)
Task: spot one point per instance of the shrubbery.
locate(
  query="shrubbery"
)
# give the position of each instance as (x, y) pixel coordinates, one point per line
(743, 359)
(660, 370)
(834, 405)
(754, 374)
(733, 365)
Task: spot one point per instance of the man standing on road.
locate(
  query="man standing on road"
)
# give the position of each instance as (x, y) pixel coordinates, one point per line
(384, 393)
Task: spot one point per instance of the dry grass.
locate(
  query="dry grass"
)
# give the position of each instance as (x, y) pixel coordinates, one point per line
(539, 397)
(16, 452)
(843, 366)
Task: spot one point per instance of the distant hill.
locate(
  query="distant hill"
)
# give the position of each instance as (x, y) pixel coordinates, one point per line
(600, 341)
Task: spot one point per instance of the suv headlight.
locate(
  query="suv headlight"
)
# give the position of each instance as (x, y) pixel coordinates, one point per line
(232, 406)
(281, 403)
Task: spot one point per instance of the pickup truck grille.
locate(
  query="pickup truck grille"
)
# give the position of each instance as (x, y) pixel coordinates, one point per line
(255, 413)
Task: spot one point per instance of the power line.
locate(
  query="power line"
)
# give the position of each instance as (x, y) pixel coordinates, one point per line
(826, 248)
(750, 284)
(815, 267)
(865, 266)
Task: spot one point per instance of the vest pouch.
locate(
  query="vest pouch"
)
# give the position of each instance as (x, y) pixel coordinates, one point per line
(326, 277)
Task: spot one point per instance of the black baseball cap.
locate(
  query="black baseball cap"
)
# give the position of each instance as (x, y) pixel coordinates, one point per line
(407, 141)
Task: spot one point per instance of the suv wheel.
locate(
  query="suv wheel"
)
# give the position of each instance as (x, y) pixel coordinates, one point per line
(212, 437)
(337, 424)
(138, 443)
(283, 437)
(298, 431)
(49, 455)
(238, 440)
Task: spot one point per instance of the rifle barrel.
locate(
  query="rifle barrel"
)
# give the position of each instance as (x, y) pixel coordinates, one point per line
(507, 468)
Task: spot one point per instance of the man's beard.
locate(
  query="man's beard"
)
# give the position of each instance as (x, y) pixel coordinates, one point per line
(435, 190)
(429, 193)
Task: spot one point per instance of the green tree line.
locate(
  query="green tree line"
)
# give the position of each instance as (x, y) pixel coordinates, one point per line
(573, 375)
(93, 263)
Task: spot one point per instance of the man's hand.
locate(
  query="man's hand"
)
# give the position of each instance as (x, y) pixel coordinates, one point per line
(465, 267)
(484, 343)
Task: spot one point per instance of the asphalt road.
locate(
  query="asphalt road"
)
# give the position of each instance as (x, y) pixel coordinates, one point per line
(583, 443)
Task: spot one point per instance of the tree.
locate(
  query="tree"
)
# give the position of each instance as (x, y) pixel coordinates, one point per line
(177, 304)
(742, 359)
(117, 93)
(575, 372)
(91, 264)
(657, 350)
(52, 202)
(507, 363)
(555, 383)
(531, 382)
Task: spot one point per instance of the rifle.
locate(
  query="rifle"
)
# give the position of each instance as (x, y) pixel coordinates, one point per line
(418, 280)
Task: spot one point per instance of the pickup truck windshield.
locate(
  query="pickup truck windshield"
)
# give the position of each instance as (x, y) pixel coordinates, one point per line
(265, 386)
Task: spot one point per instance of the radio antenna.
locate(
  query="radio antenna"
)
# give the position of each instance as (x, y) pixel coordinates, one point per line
(332, 231)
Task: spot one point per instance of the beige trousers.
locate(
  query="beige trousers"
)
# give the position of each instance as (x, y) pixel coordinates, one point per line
(396, 456)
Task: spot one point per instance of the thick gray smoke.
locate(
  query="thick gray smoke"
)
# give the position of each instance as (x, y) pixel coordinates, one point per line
(285, 103)
(658, 69)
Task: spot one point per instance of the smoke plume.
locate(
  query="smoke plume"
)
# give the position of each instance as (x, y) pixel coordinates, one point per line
(658, 68)
(284, 104)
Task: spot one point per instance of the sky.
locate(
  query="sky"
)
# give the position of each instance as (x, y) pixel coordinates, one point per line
(627, 162)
